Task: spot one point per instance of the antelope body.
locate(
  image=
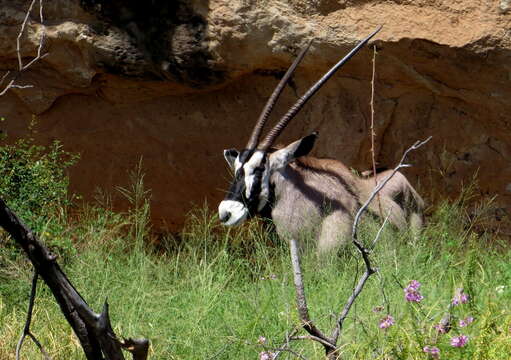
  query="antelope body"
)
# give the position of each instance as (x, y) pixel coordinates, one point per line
(307, 195)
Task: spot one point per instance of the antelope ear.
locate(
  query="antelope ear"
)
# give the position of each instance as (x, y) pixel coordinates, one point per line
(280, 158)
(230, 156)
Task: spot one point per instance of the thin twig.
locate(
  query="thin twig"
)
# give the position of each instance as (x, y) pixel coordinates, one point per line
(358, 289)
(286, 344)
(20, 34)
(363, 250)
(286, 349)
(11, 84)
(378, 234)
(383, 182)
(4, 77)
(26, 329)
(280, 350)
(373, 134)
(384, 295)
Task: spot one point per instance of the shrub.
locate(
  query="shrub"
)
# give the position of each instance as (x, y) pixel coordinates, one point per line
(34, 184)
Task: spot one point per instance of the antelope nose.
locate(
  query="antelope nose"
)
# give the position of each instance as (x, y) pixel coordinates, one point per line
(224, 216)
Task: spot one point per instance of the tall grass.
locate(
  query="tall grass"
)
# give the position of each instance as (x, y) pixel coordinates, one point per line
(215, 291)
(212, 292)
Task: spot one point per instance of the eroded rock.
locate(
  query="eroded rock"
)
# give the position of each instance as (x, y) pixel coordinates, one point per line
(176, 82)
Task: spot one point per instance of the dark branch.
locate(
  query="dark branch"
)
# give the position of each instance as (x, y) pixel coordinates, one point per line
(94, 331)
(26, 328)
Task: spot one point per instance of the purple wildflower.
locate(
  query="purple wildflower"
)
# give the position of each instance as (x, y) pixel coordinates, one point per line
(412, 293)
(413, 296)
(386, 322)
(459, 341)
(465, 322)
(440, 328)
(460, 297)
(261, 340)
(413, 285)
(266, 355)
(433, 351)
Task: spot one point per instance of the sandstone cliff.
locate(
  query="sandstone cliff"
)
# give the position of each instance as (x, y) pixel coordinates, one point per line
(177, 82)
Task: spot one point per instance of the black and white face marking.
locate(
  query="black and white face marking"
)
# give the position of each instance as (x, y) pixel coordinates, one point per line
(250, 190)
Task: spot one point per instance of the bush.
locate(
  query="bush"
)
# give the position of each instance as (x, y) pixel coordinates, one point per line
(34, 184)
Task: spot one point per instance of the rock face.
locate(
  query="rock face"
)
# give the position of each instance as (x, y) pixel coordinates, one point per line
(176, 82)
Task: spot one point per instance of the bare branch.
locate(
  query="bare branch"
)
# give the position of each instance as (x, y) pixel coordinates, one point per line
(139, 348)
(94, 331)
(301, 301)
(313, 338)
(378, 234)
(26, 329)
(373, 133)
(382, 183)
(363, 250)
(22, 86)
(286, 344)
(286, 349)
(20, 34)
(358, 289)
(4, 77)
(11, 84)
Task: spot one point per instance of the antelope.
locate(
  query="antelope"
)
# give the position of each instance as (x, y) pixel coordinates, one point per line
(304, 194)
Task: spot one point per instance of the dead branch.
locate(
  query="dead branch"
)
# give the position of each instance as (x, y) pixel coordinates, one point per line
(286, 344)
(14, 75)
(330, 343)
(363, 250)
(301, 301)
(286, 349)
(373, 133)
(26, 329)
(94, 331)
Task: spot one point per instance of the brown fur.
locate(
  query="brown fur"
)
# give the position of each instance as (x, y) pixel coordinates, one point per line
(320, 197)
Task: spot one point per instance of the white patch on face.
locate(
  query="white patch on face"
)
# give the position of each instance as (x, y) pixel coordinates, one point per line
(249, 167)
(234, 211)
(237, 164)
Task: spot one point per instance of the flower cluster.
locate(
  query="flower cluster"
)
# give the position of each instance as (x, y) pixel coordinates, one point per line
(386, 322)
(466, 321)
(266, 355)
(412, 293)
(433, 351)
(460, 297)
(459, 341)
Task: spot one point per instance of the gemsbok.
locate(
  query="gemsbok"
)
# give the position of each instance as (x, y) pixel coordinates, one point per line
(308, 195)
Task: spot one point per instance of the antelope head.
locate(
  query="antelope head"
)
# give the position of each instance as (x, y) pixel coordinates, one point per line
(249, 192)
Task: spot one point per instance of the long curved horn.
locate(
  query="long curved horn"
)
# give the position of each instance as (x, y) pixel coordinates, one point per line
(277, 129)
(256, 133)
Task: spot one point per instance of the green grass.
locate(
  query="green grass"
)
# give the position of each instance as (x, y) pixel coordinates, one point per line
(215, 291)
